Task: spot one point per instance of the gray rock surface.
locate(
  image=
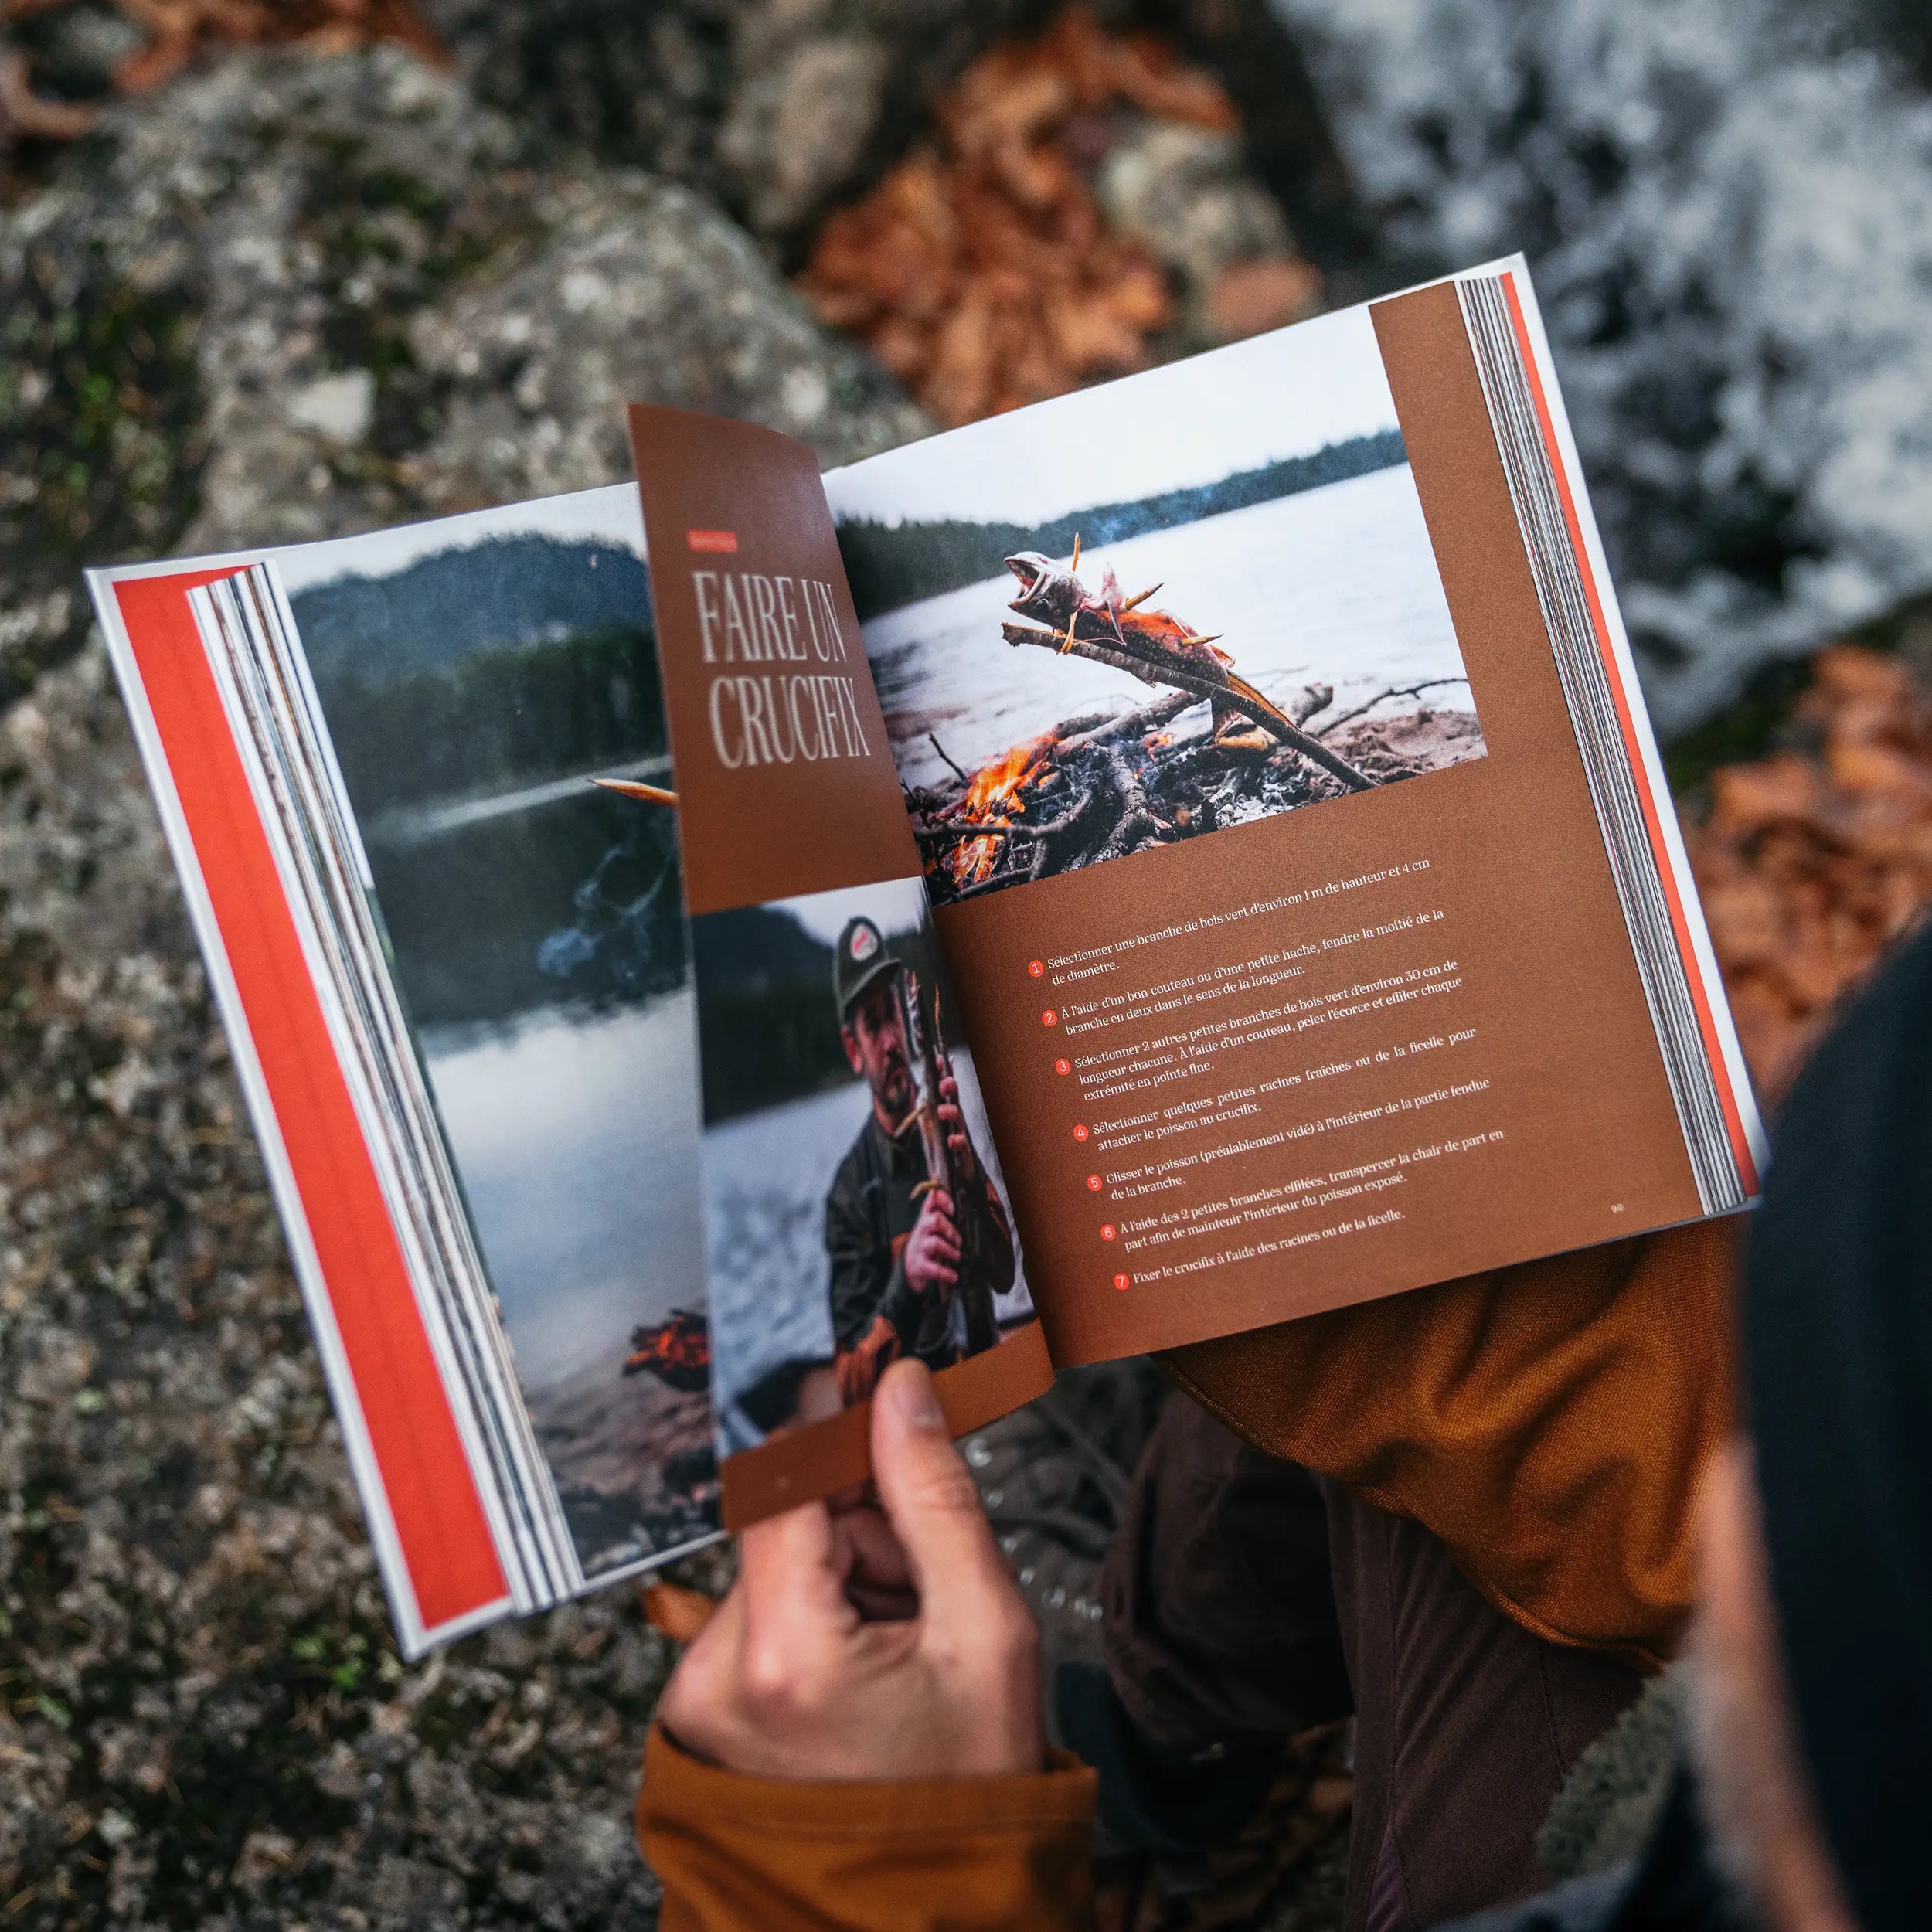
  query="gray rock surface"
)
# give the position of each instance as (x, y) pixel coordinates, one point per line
(238, 317)
(639, 292)
(305, 296)
(773, 107)
(1728, 209)
(642, 85)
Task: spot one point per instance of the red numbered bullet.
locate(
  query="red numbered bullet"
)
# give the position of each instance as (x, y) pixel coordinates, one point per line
(1120, 1280)
(1093, 1182)
(1036, 967)
(1107, 1230)
(1063, 1066)
(1050, 1018)
(1080, 1132)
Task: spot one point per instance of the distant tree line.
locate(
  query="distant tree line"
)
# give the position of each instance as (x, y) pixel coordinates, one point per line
(768, 1022)
(889, 565)
(500, 718)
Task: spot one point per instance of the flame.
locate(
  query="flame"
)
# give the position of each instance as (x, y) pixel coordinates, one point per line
(974, 860)
(994, 785)
(995, 798)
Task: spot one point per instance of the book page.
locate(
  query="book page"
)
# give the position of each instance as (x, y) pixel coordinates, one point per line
(854, 1206)
(477, 675)
(1261, 846)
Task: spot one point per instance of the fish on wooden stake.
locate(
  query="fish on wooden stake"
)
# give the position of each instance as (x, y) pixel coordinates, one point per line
(1155, 646)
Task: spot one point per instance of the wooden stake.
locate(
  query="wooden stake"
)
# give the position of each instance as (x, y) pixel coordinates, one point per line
(632, 788)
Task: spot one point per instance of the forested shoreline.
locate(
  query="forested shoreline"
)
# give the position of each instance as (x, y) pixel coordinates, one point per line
(890, 565)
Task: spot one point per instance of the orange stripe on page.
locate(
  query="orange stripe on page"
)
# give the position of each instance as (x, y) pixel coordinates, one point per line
(711, 539)
(1700, 998)
(432, 1496)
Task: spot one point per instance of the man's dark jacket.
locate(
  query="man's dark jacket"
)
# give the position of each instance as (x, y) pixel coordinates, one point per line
(869, 1214)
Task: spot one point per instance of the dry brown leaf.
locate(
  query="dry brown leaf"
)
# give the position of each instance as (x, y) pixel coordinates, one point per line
(982, 271)
(1148, 74)
(1810, 863)
(27, 116)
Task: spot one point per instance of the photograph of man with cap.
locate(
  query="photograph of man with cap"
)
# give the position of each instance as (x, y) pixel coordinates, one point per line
(914, 1272)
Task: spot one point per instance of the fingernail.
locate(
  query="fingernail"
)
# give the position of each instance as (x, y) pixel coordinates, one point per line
(917, 1402)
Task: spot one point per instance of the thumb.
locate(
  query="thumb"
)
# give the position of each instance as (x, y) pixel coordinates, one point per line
(928, 1494)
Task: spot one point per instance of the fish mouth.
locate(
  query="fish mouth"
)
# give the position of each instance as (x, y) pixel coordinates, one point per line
(1030, 571)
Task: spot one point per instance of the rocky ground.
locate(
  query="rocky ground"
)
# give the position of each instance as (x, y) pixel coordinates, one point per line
(289, 294)
(285, 297)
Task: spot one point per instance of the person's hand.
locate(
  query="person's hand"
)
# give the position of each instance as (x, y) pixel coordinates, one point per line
(932, 1249)
(791, 1679)
(953, 1123)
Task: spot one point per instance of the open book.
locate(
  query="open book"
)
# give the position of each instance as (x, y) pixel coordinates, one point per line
(1168, 860)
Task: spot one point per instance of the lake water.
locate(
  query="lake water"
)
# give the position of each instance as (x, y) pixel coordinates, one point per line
(577, 1140)
(1337, 586)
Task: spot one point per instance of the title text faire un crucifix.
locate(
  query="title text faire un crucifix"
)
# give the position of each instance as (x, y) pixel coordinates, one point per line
(774, 717)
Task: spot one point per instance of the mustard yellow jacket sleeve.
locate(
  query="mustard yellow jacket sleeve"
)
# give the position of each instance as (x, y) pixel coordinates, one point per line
(1549, 1422)
(941, 1855)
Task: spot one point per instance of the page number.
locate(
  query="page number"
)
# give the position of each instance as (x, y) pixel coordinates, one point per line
(1616, 1207)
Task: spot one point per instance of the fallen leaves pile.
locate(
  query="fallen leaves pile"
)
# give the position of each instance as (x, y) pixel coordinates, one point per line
(179, 29)
(1813, 860)
(983, 272)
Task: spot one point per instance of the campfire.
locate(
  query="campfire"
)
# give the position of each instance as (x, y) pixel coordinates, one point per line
(1105, 784)
(994, 801)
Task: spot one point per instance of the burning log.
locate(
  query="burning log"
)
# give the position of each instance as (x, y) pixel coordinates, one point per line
(1108, 784)
(1126, 724)
(1199, 680)
(1104, 786)
(1138, 815)
(676, 1350)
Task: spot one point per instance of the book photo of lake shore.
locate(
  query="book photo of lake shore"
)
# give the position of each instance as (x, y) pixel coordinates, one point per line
(1073, 674)
(477, 674)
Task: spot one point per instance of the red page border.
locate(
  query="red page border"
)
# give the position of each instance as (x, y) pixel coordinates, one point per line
(441, 1533)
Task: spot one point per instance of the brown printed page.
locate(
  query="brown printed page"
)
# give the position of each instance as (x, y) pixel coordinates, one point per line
(1261, 844)
(854, 1205)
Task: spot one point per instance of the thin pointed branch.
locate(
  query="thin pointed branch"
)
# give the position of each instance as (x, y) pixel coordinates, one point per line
(1405, 691)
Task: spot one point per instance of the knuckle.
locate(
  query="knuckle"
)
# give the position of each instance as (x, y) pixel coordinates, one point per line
(698, 1699)
(775, 1679)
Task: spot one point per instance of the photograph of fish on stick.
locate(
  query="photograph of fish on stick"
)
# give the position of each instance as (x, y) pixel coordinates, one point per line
(854, 1208)
(1163, 608)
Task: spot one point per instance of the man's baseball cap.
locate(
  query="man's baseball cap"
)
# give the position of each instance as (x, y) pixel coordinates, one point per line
(860, 958)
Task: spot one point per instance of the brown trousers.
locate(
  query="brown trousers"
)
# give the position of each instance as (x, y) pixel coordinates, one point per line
(1246, 1598)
